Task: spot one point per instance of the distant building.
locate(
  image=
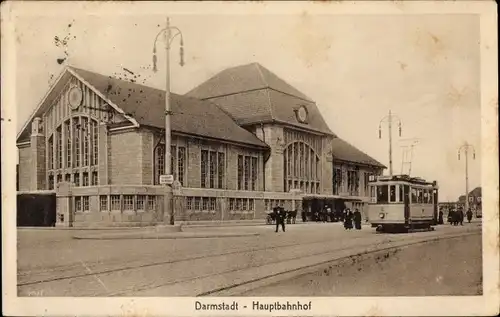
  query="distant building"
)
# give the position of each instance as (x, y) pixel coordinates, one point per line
(243, 142)
(475, 199)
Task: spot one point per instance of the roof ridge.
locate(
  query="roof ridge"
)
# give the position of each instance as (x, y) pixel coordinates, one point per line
(259, 69)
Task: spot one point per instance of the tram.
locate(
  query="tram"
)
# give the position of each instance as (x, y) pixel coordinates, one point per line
(402, 202)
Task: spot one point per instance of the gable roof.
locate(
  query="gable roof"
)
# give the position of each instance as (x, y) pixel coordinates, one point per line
(252, 94)
(145, 106)
(344, 151)
(190, 115)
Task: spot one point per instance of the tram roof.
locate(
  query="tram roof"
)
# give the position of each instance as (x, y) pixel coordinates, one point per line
(403, 178)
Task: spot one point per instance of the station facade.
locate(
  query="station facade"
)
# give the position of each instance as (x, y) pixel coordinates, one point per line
(243, 142)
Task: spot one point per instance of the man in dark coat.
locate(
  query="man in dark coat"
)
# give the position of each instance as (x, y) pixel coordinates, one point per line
(469, 215)
(280, 218)
(348, 220)
(461, 216)
(440, 217)
(357, 219)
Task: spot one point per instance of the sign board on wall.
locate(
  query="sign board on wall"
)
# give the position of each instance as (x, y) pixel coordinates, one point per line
(166, 179)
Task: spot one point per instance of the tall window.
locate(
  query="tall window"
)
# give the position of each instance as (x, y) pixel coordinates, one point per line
(160, 162)
(240, 171)
(247, 172)
(181, 164)
(302, 167)
(254, 172)
(95, 141)
(221, 169)
(204, 168)
(213, 168)
(85, 132)
(67, 129)
(59, 148)
(77, 138)
(51, 152)
(173, 161)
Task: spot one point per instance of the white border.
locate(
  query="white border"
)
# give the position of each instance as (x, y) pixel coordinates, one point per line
(348, 306)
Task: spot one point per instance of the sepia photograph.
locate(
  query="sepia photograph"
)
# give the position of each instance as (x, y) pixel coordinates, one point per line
(249, 162)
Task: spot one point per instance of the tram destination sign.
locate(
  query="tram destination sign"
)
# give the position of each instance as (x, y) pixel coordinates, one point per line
(166, 179)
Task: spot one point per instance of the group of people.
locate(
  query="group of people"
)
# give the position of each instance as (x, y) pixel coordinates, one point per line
(350, 217)
(456, 217)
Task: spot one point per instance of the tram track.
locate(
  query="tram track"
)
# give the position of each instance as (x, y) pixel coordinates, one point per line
(330, 253)
(78, 266)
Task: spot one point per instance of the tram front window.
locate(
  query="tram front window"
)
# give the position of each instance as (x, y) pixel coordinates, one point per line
(392, 190)
(382, 194)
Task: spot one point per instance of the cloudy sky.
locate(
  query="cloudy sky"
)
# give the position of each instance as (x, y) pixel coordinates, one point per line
(425, 68)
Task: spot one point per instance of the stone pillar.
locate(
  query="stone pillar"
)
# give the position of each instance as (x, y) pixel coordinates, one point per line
(273, 136)
(64, 205)
(38, 156)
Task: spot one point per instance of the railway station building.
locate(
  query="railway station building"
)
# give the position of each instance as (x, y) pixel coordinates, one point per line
(243, 142)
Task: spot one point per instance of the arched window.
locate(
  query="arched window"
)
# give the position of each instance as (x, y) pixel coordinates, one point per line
(301, 164)
(72, 145)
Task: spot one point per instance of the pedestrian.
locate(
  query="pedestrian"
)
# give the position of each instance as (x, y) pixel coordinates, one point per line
(469, 215)
(348, 220)
(303, 214)
(440, 218)
(461, 216)
(324, 214)
(357, 219)
(280, 218)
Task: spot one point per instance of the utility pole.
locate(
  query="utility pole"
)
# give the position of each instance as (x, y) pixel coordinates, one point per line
(389, 120)
(466, 147)
(168, 40)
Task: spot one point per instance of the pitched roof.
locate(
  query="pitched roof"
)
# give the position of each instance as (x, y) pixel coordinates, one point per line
(251, 94)
(344, 151)
(190, 115)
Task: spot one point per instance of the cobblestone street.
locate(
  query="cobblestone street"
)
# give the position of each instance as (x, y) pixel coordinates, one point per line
(52, 263)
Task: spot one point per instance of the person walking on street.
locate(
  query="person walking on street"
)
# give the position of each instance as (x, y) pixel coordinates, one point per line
(357, 219)
(348, 220)
(280, 218)
(440, 218)
(461, 216)
(469, 215)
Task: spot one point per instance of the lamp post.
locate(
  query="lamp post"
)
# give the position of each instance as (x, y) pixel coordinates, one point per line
(466, 147)
(168, 37)
(389, 120)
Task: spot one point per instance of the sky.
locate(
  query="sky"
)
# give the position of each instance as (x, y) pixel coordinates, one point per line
(424, 68)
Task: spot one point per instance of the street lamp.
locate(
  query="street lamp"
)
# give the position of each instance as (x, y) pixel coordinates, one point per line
(389, 119)
(466, 147)
(169, 37)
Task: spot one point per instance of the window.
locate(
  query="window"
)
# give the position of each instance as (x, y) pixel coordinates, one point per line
(401, 194)
(181, 164)
(151, 202)
(141, 202)
(173, 161)
(197, 203)
(251, 204)
(67, 178)
(213, 168)
(59, 148)
(86, 205)
(95, 179)
(59, 178)
(51, 182)
(382, 194)
(77, 138)
(85, 179)
(78, 203)
(115, 202)
(240, 171)
(205, 203)
(413, 195)
(189, 203)
(420, 195)
(85, 132)
(221, 170)
(51, 152)
(128, 202)
(247, 172)
(239, 204)
(231, 204)
(204, 167)
(392, 193)
(160, 162)
(76, 179)
(95, 152)
(67, 127)
(212, 203)
(103, 203)
(254, 173)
